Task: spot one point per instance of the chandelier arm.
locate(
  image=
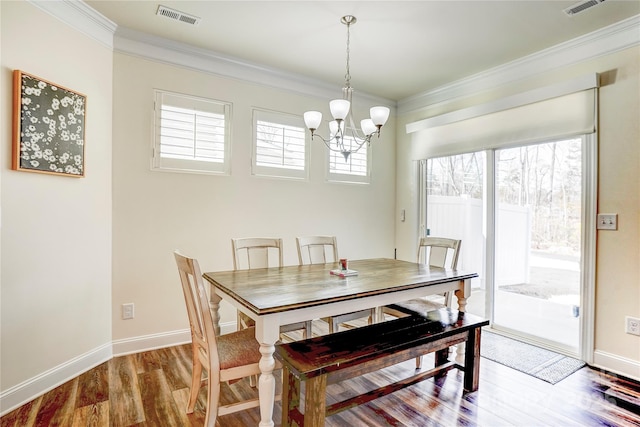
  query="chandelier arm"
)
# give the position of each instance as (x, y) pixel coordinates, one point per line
(355, 132)
(365, 140)
(327, 142)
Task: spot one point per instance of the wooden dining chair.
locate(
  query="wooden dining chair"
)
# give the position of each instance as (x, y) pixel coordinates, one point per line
(226, 357)
(320, 250)
(261, 252)
(435, 252)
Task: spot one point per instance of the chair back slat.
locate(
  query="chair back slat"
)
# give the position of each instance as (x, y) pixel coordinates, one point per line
(256, 252)
(439, 252)
(317, 249)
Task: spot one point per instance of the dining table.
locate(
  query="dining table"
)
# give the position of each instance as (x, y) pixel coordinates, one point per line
(283, 295)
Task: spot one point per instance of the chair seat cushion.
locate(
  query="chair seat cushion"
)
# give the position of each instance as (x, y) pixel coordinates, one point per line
(238, 348)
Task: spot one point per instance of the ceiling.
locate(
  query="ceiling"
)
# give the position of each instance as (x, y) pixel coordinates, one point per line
(398, 48)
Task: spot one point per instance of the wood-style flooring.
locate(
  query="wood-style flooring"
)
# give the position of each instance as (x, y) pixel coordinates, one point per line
(151, 389)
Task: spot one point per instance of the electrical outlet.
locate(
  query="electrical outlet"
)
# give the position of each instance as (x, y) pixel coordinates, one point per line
(127, 311)
(632, 325)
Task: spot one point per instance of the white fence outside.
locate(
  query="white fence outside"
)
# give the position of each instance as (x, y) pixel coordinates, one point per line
(462, 218)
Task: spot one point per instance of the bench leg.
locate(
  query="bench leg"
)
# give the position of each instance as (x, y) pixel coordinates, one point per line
(315, 399)
(472, 361)
(442, 357)
(291, 399)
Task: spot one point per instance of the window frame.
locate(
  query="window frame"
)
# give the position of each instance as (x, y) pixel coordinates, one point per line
(167, 164)
(348, 178)
(284, 119)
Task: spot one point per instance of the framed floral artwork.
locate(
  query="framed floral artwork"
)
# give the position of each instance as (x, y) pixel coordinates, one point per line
(48, 127)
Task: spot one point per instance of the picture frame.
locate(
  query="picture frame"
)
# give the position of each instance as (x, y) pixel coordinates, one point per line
(49, 123)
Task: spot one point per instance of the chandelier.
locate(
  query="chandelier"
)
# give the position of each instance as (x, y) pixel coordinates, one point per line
(341, 112)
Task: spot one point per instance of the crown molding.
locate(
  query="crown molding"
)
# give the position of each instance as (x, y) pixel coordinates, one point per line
(167, 51)
(78, 15)
(611, 39)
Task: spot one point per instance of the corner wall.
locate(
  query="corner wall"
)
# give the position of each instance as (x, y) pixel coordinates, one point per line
(55, 240)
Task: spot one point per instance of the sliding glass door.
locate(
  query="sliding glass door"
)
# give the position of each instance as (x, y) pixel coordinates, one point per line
(519, 213)
(538, 217)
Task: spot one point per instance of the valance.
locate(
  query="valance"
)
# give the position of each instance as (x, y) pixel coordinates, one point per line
(554, 112)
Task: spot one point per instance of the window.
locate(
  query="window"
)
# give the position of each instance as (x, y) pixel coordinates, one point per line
(191, 134)
(280, 147)
(354, 168)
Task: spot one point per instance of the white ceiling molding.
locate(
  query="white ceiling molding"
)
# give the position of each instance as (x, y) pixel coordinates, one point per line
(171, 52)
(81, 17)
(85, 19)
(616, 37)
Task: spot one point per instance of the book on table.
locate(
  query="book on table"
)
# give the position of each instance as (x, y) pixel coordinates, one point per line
(344, 273)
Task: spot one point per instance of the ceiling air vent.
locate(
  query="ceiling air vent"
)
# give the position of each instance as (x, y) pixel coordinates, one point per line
(582, 6)
(177, 15)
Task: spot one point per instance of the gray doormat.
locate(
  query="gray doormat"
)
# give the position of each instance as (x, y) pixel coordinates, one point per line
(535, 361)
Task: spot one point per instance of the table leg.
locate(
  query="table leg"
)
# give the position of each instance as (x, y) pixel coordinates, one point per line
(267, 333)
(462, 293)
(214, 303)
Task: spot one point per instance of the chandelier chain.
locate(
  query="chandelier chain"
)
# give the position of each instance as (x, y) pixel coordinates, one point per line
(347, 76)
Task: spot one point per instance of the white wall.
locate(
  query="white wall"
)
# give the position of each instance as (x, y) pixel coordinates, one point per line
(618, 252)
(157, 212)
(56, 231)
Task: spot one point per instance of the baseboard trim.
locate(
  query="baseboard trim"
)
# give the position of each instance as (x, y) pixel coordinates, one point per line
(155, 341)
(616, 364)
(150, 342)
(28, 390)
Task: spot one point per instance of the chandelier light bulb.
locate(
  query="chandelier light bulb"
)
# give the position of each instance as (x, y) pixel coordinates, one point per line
(333, 128)
(379, 115)
(368, 127)
(312, 119)
(339, 108)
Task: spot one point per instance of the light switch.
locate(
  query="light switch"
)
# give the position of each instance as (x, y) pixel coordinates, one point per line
(607, 222)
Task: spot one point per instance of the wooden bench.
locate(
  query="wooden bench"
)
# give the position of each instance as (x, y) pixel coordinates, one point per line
(336, 357)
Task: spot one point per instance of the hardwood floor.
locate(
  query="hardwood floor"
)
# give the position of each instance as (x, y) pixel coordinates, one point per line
(151, 389)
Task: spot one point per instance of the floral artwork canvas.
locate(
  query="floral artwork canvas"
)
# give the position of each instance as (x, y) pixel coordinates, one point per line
(48, 128)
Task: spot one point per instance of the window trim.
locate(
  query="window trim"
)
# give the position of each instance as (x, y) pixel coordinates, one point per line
(164, 164)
